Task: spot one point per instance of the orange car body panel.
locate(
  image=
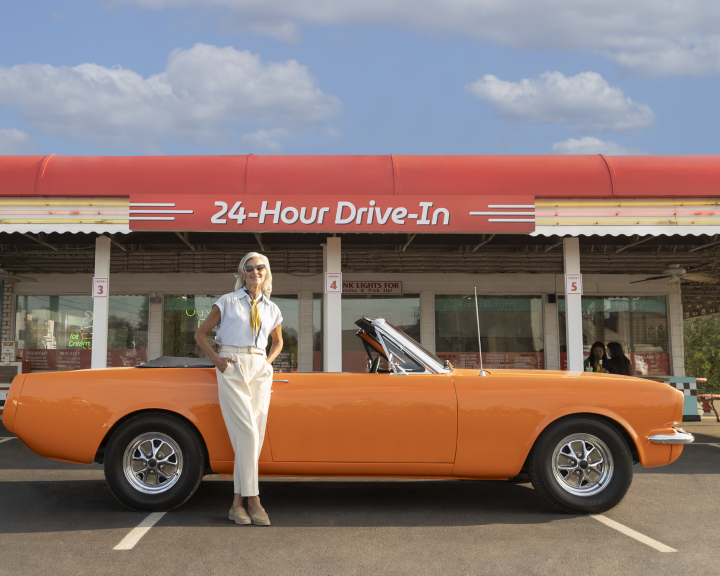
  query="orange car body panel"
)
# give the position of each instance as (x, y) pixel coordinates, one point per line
(325, 424)
(502, 414)
(11, 402)
(364, 418)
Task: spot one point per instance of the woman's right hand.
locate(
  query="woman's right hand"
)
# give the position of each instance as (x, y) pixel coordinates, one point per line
(222, 363)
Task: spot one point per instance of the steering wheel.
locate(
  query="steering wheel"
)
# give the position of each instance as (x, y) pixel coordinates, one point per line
(375, 365)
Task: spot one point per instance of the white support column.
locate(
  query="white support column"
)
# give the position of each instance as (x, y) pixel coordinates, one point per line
(155, 320)
(305, 331)
(573, 307)
(332, 311)
(427, 320)
(101, 306)
(675, 337)
(551, 336)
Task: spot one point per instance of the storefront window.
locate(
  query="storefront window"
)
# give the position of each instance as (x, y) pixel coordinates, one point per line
(639, 324)
(317, 332)
(287, 361)
(56, 332)
(511, 330)
(402, 311)
(183, 315)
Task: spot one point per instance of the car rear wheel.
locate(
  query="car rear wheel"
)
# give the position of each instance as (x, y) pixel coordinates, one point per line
(581, 465)
(154, 462)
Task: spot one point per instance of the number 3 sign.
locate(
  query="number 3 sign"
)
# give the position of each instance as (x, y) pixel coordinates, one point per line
(100, 287)
(333, 282)
(573, 284)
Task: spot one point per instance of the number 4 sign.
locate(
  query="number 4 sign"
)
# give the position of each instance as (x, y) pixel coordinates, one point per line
(333, 282)
(100, 287)
(573, 284)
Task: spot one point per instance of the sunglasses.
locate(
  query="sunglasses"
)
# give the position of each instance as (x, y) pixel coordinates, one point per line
(259, 268)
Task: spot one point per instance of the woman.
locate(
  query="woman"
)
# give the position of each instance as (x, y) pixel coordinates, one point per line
(243, 320)
(597, 359)
(618, 362)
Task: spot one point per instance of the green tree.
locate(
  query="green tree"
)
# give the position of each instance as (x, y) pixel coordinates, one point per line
(702, 350)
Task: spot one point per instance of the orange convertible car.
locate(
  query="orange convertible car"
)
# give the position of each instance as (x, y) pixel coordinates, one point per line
(158, 429)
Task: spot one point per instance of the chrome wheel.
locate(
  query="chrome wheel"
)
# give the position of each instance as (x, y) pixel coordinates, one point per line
(152, 463)
(582, 464)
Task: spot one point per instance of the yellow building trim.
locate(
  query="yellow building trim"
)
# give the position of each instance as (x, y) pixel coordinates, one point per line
(612, 222)
(51, 221)
(80, 203)
(626, 204)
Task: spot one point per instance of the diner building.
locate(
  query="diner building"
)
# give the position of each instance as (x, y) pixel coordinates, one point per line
(563, 251)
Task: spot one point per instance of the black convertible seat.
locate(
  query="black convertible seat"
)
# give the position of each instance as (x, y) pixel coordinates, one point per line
(172, 362)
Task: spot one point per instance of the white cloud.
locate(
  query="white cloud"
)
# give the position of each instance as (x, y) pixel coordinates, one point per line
(586, 102)
(590, 145)
(284, 30)
(265, 139)
(699, 56)
(204, 95)
(14, 141)
(664, 37)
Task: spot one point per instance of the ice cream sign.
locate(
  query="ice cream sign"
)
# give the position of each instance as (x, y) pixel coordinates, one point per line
(398, 213)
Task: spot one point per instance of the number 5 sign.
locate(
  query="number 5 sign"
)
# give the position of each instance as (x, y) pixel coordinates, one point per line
(333, 282)
(100, 287)
(573, 284)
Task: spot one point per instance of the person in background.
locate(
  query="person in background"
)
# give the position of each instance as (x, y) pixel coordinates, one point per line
(597, 359)
(618, 362)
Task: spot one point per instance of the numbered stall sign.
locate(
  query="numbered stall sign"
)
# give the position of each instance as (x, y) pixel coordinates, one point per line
(573, 284)
(333, 282)
(100, 287)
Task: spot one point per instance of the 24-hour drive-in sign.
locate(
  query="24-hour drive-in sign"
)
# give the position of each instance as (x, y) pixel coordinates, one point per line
(411, 214)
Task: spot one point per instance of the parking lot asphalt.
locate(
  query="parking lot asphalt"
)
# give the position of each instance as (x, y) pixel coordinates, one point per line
(61, 519)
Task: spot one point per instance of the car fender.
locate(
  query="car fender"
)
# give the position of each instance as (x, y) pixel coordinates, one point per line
(131, 409)
(650, 454)
(11, 403)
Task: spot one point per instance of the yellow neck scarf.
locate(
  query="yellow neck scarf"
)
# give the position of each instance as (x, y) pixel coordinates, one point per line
(254, 315)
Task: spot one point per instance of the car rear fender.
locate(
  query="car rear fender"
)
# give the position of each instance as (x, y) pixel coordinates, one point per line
(11, 403)
(131, 409)
(118, 420)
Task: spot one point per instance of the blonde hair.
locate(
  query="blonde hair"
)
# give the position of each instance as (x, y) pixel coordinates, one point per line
(266, 287)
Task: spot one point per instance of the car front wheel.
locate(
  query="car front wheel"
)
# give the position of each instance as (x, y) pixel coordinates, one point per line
(581, 465)
(154, 462)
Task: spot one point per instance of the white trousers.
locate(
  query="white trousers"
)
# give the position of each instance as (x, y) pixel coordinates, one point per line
(244, 392)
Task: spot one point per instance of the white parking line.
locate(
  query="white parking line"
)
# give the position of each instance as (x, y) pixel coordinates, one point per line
(6, 438)
(659, 546)
(704, 444)
(133, 537)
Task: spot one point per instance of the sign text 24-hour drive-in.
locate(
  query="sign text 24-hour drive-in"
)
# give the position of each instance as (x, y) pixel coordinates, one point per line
(410, 214)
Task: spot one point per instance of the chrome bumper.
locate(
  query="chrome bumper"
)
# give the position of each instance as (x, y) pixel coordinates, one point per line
(681, 437)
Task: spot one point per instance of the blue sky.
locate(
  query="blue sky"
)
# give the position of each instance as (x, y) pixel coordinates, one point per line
(335, 77)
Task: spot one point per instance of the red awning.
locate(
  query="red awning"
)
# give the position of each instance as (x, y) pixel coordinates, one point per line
(539, 176)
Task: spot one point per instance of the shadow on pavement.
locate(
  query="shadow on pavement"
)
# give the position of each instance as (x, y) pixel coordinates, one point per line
(377, 503)
(58, 506)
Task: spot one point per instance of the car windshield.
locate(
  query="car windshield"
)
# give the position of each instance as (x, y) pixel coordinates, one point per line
(401, 342)
(417, 344)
